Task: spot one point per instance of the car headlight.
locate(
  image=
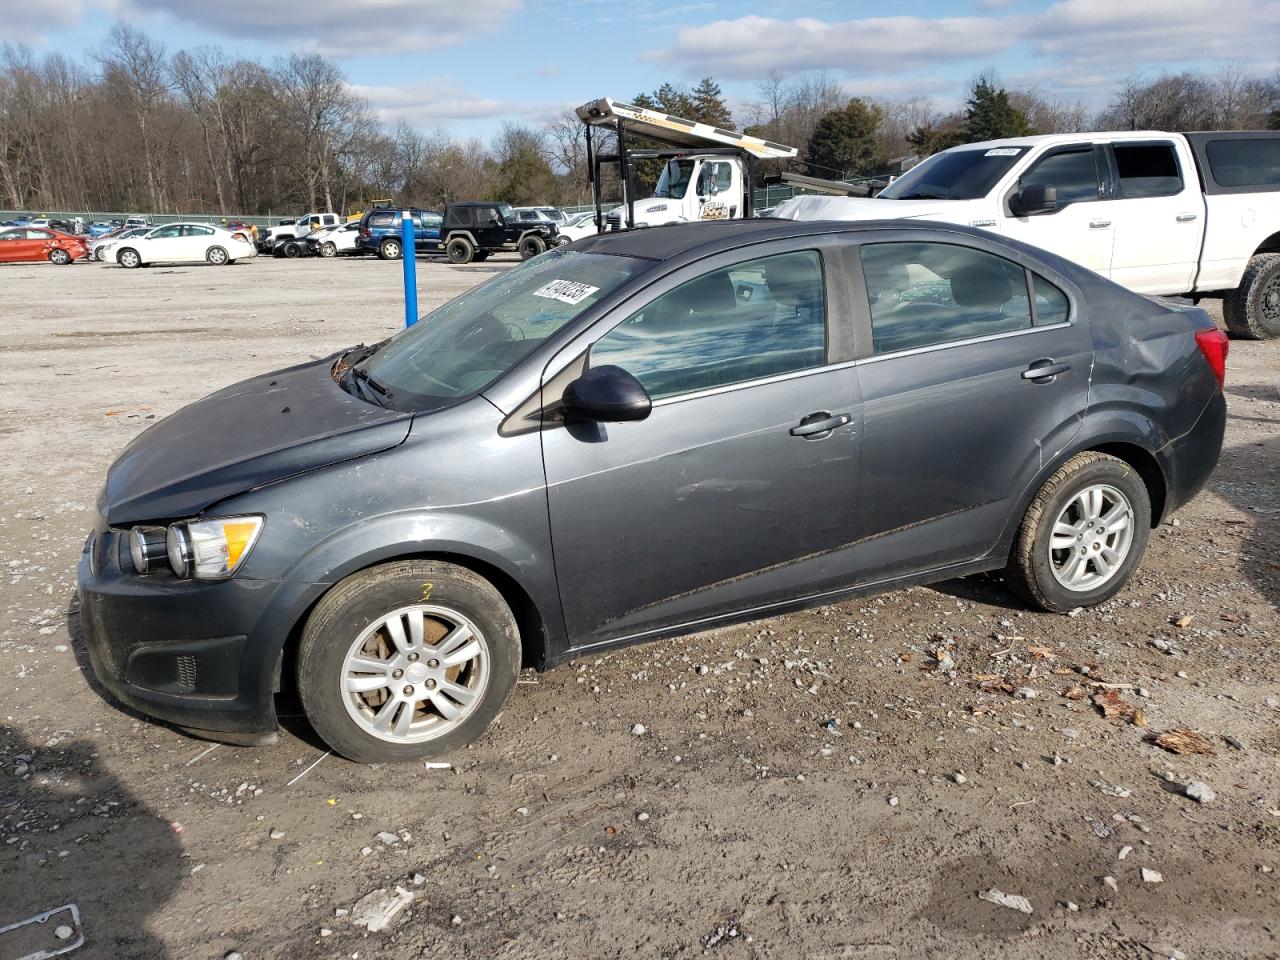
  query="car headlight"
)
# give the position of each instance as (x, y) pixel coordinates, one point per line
(211, 549)
(146, 547)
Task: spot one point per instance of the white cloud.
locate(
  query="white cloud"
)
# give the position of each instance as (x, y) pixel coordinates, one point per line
(340, 27)
(751, 46)
(22, 22)
(437, 102)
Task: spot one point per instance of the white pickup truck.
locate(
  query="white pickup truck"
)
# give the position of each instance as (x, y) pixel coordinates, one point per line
(299, 227)
(1194, 214)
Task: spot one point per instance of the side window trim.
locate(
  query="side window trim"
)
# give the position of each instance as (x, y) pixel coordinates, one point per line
(1099, 172)
(1113, 167)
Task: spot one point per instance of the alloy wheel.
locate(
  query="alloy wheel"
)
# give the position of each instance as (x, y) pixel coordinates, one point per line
(1091, 538)
(415, 674)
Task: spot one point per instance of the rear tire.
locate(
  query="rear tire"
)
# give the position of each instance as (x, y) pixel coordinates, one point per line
(530, 247)
(59, 256)
(217, 256)
(1252, 310)
(460, 250)
(1038, 570)
(389, 250)
(347, 647)
(129, 259)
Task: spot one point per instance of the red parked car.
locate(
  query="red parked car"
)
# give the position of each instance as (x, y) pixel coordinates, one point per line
(40, 243)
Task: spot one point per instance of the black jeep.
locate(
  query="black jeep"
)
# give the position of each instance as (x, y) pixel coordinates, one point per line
(473, 230)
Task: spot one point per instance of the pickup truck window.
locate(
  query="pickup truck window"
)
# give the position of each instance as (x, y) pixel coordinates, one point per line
(1147, 170)
(1245, 163)
(924, 294)
(1073, 172)
(954, 175)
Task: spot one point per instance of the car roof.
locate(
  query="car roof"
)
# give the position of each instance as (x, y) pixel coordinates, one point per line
(481, 203)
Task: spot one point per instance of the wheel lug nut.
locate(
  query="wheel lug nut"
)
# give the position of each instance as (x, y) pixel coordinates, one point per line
(408, 691)
(397, 674)
(433, 663)
(431, 684)
(413, 657)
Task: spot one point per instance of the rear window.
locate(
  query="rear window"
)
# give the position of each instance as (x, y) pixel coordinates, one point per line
(1245, 163)
(458, 217)
(1147, 170)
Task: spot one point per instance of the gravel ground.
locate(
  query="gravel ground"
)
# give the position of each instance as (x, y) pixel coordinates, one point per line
(843, 782)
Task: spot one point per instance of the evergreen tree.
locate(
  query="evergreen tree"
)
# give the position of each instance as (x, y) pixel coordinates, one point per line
(990, 115)
(844, 143)
(709, 106)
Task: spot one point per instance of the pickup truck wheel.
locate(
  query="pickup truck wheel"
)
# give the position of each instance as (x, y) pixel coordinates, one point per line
(128, 257)
(1252, 310)
(1083, 535)
(407, 660)
(460, 250)
(389, 250)
(531, 246)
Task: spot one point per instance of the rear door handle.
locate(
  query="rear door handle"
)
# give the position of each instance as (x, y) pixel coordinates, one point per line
(1043, 371)
(1099, 224)
(817, 424)
(1185, 217)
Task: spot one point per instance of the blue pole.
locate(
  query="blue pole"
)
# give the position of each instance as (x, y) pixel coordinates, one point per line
(407, 255)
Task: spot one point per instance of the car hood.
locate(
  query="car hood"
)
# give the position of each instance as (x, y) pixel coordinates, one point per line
(812, 207)
(250, 434)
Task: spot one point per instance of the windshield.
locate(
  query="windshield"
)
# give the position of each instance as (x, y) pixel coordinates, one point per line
(954, 175)
(461, 348)
(675, 179)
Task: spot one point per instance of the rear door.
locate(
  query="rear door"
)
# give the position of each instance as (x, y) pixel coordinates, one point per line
(739, 490)
(1080, 229)
(956, 420)
(1157, 215)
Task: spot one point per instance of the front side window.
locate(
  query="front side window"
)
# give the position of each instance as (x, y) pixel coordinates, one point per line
(39, 235)
(755, 319)
(1074, 174)
(460, 348)
(165, 233)
(1147, 170)
(674, 181)
(924, 294)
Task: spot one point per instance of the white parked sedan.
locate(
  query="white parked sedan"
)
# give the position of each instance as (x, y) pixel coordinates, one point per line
(184, 243)
(336, 240)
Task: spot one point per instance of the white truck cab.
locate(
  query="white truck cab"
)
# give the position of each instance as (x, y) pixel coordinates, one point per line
(303, 225)
(1160, 213)
(693, 187)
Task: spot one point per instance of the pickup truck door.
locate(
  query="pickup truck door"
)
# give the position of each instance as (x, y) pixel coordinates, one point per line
(1080, 229)
(1157, 215)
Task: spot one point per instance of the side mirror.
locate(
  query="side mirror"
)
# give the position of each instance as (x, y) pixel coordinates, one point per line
(1037, 198)
(608, 394)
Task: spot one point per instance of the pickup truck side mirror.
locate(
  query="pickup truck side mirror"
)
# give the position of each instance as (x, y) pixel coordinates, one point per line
(607, 394)
(1035, 199)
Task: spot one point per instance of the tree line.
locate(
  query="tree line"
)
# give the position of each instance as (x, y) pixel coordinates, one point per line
(135, 127)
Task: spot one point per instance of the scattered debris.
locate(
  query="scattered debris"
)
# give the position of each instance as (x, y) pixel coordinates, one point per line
(1114, 708)
(638, 730)
(1152, 876)
(1165, 952)
(437, 764)
(1110, 789)
(1075, 693)
(376, 910)
(1200, 792)
(388, 838)
(1183, 741)
(1012, 901)
(1183, 621)
(276, 834)
(1110, 883)
(309, 769)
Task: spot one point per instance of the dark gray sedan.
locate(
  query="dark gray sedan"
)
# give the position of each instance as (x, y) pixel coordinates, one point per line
(640, 435)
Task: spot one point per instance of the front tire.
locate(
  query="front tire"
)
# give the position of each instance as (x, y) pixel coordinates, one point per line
(328, 249)
(389, 250)
(217, 256)
(1082, 536)
(129, 259)
(530, 247)
(1252, 310)
(407, 660)
(459, 250)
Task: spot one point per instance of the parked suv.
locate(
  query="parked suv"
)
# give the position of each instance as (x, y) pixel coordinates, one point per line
(380, 232)
(475, 229)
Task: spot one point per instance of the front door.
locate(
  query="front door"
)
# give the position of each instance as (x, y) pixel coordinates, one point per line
(956, 419)
(12, 245)
(739, 490)
(1080, 229)
(162, 244)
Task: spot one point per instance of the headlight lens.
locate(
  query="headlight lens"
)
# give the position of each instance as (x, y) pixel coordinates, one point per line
(211, 549)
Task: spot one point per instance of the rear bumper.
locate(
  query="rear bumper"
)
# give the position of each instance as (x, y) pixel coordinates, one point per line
(179, 651)
(1189, 461)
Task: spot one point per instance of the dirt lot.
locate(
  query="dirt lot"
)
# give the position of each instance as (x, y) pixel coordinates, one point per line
(807, 786)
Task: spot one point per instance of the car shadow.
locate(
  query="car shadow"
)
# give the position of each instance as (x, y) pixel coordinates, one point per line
(74, 833)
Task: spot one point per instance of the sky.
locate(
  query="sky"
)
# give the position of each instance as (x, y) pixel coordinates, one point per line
(468, 66)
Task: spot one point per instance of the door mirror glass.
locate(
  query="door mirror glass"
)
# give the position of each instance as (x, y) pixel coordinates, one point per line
(607, 394)
(1034, 199)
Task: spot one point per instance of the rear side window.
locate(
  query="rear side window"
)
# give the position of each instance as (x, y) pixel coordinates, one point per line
(1245, 163)
(1074, 174)
(1051, 304)
(382, 220)
(761, 318)
(1147, 170)
(925, 294)
(458, 217)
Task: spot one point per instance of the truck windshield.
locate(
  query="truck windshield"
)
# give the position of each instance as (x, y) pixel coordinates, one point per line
(471, 341)
(675, 179)
(954, 175)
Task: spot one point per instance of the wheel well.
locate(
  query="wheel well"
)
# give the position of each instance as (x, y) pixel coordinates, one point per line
(1146, 467)
(533, 637)
(1269, 245)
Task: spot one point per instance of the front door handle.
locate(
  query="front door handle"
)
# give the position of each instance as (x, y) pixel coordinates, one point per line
(817, 425)
(1099, 224)
(1044, 371)
(1185, 217)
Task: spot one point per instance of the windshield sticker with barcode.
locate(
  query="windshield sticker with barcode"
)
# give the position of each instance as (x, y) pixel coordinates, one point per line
(566, 291)
(1003, 152)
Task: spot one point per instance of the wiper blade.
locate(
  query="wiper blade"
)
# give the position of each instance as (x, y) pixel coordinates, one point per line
(378, 387)
(922, 196)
